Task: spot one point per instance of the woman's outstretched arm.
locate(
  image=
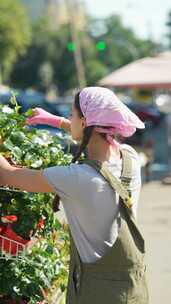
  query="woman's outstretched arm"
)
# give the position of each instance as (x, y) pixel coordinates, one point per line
(23, 178)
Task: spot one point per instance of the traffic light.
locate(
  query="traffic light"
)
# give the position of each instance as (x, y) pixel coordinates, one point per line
(71, 47)
(101, 45)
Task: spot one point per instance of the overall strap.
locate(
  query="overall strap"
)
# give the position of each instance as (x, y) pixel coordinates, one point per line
(119, 185)
(126, 174)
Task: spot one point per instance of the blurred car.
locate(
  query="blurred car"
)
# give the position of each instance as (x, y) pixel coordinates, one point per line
(151, 117)
(59, 108)
(147, 113)
(31, 99)
(143, 140)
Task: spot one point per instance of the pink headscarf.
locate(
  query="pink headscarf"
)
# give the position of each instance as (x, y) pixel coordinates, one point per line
(100, 106)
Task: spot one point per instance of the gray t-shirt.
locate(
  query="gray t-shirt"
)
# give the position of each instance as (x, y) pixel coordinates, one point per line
(90, 204)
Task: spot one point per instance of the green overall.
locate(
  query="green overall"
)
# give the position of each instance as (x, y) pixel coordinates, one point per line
(118, 277)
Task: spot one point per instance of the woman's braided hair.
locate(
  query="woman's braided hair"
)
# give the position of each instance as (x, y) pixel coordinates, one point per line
(86, 133)
(86, 138)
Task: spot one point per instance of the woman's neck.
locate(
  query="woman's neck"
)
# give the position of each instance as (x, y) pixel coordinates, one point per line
(100, 149)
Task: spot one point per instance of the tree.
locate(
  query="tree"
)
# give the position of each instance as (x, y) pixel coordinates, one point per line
(118, 45)
(47, 47)
(106, 45)
(14, 34)
(57, 49)
(168, 24)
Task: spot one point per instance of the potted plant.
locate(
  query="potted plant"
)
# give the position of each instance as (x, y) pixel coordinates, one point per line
(29, 272)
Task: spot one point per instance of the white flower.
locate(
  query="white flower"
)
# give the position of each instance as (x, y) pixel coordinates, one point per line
(7, 110)
(42, 140)
(37, 163)
(38, 140)
(54, 150)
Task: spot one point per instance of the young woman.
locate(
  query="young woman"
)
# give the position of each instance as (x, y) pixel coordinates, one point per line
(99, 196)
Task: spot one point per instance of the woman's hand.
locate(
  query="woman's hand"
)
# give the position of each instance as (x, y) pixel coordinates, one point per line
(41, 116)
(4, 167)
(4, 164)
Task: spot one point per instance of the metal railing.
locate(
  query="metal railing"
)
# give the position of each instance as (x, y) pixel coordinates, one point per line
(11, 249)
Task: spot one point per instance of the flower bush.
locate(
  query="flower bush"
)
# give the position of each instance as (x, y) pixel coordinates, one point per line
(30, 277)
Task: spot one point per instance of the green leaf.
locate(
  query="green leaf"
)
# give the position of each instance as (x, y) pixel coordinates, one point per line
(29, 112)
(14, 102)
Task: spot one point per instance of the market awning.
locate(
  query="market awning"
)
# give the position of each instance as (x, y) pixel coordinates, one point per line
(150, 72)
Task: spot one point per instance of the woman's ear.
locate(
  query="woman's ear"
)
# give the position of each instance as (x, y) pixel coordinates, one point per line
(84, 124)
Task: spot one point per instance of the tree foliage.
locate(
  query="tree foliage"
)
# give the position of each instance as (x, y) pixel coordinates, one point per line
(168, 24)
(106, 44)
(121, 44)
(15, 33)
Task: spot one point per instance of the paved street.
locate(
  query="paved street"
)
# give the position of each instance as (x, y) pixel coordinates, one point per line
(154, 217)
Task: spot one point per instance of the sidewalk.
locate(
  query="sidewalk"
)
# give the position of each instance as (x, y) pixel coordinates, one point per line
(154, 217)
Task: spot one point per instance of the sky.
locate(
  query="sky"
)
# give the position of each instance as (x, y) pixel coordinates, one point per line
(146, 17)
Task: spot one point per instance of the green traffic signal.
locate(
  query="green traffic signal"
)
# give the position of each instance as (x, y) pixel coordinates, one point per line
(101, 45)
(71, 47)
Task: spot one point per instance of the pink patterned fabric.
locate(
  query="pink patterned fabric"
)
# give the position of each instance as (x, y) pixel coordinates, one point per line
(101, 107)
